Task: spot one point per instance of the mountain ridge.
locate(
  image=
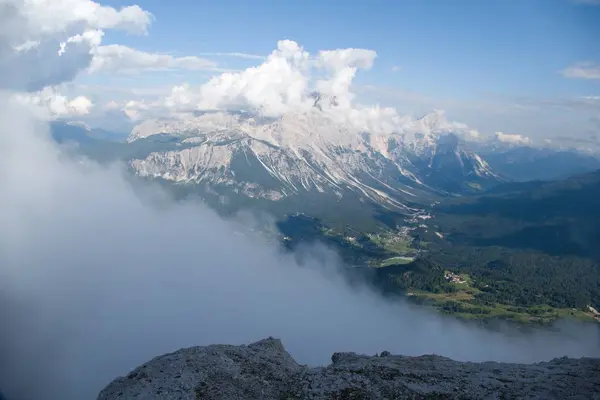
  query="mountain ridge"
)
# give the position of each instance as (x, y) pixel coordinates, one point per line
(314, 151)
(265, 370)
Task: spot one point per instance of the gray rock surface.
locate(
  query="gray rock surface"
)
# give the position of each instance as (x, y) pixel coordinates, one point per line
(264, 370)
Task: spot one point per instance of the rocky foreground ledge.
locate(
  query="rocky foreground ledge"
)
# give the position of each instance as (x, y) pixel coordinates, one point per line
(264, 370)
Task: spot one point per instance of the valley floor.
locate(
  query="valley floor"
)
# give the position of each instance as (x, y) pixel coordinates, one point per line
(463, 304)
(402, 262)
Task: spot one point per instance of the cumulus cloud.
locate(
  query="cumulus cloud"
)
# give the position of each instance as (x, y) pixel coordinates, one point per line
(291, 80)
(50, 104)
(97, 277)
(182, 98)
(123, 115)
(119, 58)
(92, 38)
(512, 138)
(337, 60)
(136, 110)
(283, 82)
(274, 87)
(46, 42)
(51, 16)
(587, 70)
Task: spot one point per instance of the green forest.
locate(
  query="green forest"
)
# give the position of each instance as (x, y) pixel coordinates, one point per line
(527, 252)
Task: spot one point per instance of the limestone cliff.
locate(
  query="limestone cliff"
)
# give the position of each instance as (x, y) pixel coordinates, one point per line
(264, 370)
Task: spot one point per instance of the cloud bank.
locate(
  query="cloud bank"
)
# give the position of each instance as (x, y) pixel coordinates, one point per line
(49, 104)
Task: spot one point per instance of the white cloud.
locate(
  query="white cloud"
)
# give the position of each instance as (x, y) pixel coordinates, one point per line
(534, 117)
(80, 105)
(284, 81)
(43, 17)
(396, 68)
(50, 104)
(119, 58)
(337, 60)
(274, 87)
(279, 85)
(512, 138)
(343, 64)
(92, 37)
(26, 46)
(135, 110)
(586, 70)
(47, 42)
(234, 54)
(182, 99)
(111, 92)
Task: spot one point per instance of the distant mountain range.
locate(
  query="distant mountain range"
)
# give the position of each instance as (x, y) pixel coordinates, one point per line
(524, 163)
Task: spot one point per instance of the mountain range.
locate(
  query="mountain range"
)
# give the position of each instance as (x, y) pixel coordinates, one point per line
(526, 163)
(311, 152)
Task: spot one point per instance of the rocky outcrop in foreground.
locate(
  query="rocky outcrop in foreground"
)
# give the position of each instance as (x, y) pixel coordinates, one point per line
(264, 370)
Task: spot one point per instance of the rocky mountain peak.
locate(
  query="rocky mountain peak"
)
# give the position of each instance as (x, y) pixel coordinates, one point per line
(264, 370)
(322, 101)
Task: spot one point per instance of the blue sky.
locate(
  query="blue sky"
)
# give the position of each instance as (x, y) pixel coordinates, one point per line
(458, 49)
